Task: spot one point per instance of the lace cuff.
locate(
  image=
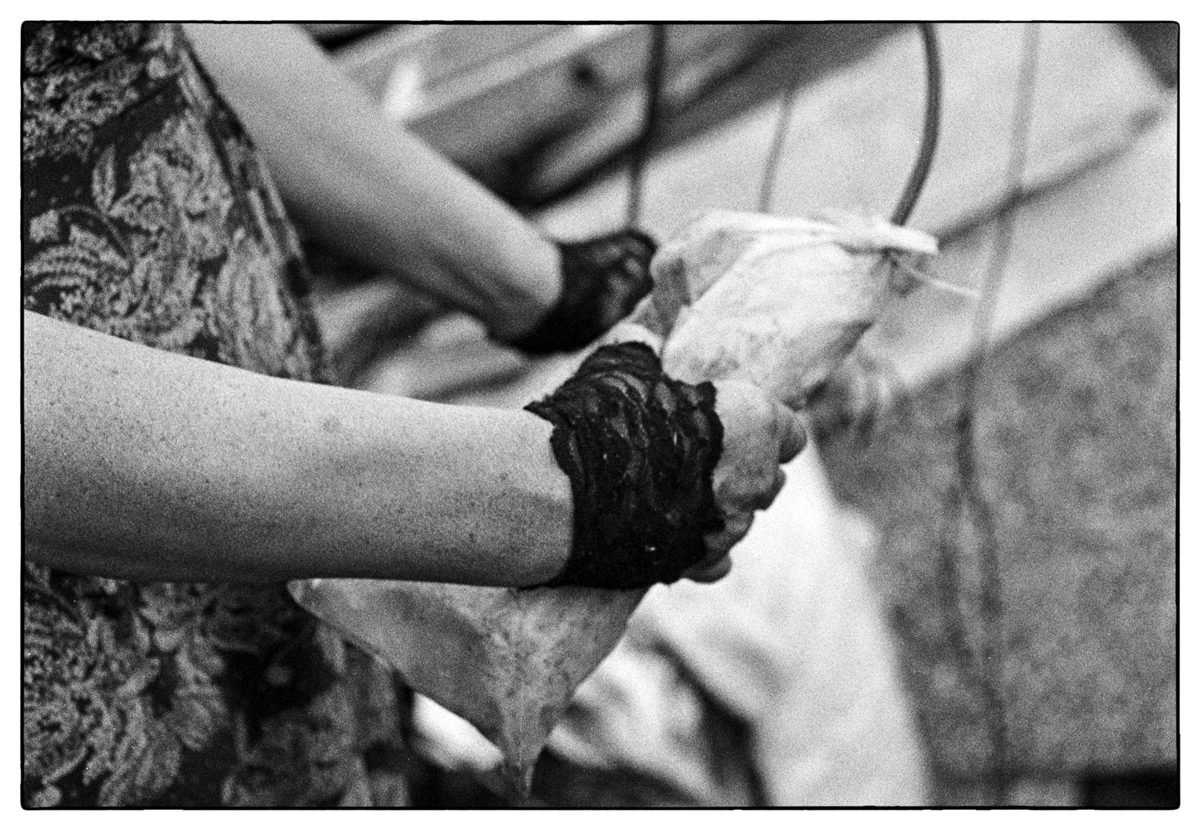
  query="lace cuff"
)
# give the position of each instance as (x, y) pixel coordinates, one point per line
(640, 449)
(603, 279)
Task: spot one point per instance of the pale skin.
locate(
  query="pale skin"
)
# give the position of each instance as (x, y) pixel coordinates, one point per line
(369, 188)
(147, 465)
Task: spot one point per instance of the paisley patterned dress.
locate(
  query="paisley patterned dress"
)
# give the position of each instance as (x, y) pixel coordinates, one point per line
(147, 215)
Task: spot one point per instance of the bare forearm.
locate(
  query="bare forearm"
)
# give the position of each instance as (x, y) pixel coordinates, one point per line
(148, 465)
(368, 187)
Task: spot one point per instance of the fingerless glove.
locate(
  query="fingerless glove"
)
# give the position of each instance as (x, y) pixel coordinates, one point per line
(602, 280)
(639, 449)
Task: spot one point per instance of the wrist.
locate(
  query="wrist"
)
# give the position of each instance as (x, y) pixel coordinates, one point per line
(602, 280)
(528, 290)
(483, 495)
(548, 487)
(639, 449)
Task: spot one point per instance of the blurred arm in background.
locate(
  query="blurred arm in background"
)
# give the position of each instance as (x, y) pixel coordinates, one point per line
(366, 187)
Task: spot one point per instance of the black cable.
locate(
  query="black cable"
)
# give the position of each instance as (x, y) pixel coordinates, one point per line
(775, 152)
(651, 116)
(929, 133)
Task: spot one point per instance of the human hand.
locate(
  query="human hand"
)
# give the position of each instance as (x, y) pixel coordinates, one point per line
(602, 280)
(760, 434)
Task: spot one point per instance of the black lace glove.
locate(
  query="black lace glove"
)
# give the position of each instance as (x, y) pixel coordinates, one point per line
(640, 449)
(603, 279)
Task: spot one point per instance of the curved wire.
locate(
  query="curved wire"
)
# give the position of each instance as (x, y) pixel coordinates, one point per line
(651, 115)
(775, 152)
(929, 133)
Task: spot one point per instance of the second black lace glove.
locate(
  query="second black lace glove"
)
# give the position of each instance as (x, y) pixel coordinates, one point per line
(603, 279)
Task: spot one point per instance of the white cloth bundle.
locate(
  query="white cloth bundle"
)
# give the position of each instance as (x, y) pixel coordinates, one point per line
(781, 302)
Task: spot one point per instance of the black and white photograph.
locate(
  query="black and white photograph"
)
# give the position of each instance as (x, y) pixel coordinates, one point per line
(552, 414)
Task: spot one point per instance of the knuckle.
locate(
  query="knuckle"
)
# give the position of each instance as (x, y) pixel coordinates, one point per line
(739, 525)
(778, 484)
(767, 493)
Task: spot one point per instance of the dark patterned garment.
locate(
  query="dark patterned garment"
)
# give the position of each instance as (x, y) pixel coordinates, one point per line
(147, 215)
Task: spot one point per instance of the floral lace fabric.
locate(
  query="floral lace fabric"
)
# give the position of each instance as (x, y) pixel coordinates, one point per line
(603, 279)
(147, 215)
(639, 448)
